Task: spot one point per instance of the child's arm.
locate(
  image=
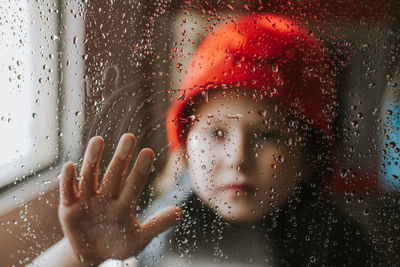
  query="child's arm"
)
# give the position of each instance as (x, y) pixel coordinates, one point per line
(101, 224)
(60, 253)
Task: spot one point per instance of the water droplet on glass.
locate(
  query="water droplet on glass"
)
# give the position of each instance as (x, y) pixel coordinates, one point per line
(262, 113)
(152, 168)
(275, 68)
(354, 124)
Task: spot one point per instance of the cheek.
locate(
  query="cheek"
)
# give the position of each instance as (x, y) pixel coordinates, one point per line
(276, 167)
(205, 152)
(200, 160)
(267, 156)
(198, 150)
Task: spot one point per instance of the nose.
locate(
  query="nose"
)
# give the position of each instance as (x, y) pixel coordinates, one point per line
(238, 149)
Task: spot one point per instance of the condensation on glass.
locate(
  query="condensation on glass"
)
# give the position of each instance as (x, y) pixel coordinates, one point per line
(71, 70)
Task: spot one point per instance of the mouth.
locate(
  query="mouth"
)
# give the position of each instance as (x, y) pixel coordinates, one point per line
(240, 189)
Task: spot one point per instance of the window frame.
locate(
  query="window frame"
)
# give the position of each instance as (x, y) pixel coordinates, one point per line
(70, 116)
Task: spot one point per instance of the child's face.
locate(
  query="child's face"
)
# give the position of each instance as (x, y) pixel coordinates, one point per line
(244, 157)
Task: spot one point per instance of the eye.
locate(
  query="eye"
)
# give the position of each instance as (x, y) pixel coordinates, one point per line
(218, 134)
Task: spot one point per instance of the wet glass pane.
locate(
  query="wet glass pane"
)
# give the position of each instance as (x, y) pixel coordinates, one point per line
(29, 78)
(180, 133)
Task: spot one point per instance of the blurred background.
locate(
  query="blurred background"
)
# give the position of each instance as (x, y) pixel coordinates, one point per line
(70, 70)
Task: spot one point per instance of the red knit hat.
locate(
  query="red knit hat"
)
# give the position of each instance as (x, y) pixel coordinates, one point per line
(265, 53)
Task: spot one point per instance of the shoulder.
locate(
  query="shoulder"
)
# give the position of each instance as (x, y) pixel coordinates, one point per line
(155, 251)
(318, 231)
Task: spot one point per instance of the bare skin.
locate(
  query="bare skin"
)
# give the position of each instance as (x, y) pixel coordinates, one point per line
(240, 164)
(101, 223)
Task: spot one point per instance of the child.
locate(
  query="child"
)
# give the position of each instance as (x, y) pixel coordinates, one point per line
(253, 123)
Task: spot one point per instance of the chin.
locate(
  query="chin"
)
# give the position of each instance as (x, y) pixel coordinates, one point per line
(240, 216)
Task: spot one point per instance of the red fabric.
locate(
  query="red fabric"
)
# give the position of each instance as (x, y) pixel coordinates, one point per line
(265, 53)
(355, 182)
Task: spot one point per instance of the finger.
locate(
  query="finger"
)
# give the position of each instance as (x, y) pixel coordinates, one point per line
(68, 193)
(116, 171)
(131, 262)
(160, 222)
(90, 167)
(137, 178)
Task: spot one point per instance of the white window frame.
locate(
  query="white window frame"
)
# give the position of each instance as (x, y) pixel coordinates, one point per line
(68, 94)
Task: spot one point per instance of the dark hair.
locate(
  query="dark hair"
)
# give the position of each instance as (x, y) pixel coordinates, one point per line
(319, 155)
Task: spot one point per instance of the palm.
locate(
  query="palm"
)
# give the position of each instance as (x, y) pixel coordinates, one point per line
(101, 224)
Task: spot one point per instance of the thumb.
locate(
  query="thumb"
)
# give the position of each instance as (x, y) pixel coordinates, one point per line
(160, 221)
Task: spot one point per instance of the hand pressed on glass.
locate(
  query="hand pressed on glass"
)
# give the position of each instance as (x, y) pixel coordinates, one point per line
(101, 224)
